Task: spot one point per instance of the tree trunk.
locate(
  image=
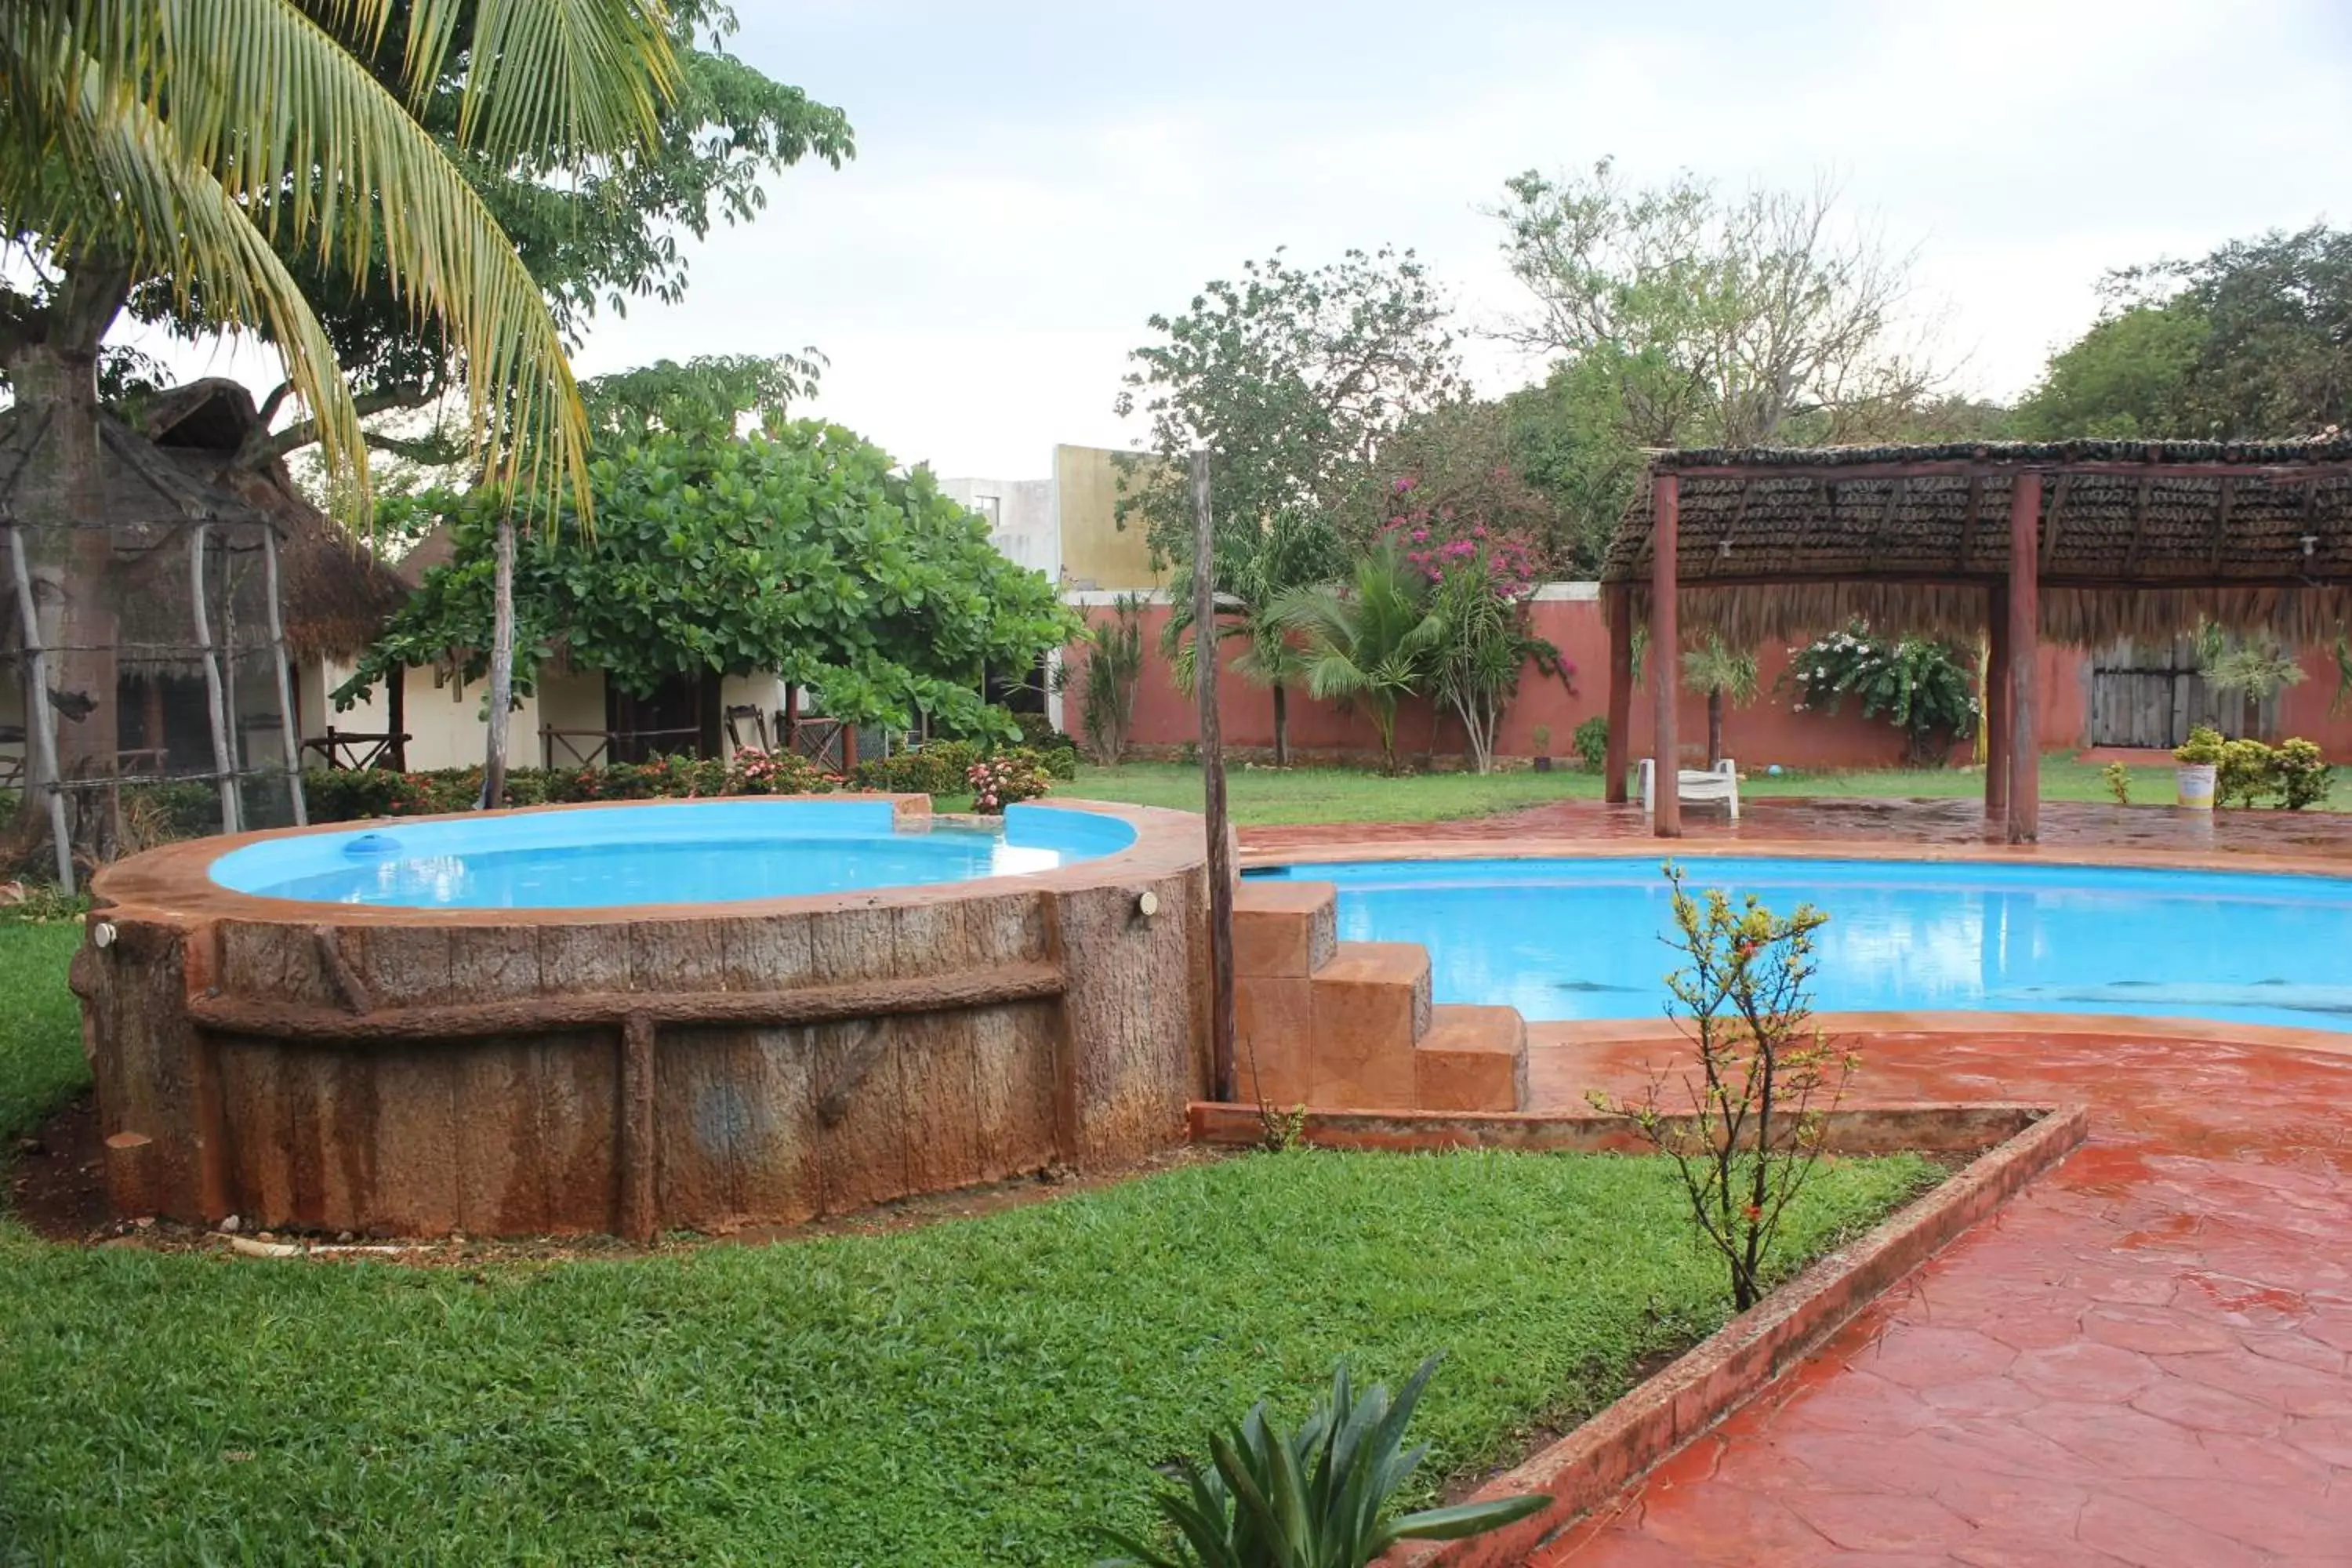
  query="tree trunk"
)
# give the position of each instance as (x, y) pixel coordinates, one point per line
(1281, 726)
(51, 358)
(494, 765)
(1715, 727)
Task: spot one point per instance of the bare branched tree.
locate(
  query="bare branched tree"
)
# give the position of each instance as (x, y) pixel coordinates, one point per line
(1763, 318)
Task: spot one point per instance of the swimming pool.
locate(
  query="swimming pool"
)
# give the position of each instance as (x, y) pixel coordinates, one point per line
(1582, 939)
(688, 852)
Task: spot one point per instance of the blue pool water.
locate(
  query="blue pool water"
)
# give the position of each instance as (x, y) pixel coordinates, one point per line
(1582, 939)
(694, 852)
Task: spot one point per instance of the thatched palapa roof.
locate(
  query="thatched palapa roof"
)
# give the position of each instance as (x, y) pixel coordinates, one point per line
(2141, 540)
(184, 469)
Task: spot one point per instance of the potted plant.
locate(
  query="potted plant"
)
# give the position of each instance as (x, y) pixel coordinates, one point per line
(2197, 761)
(1542, 737)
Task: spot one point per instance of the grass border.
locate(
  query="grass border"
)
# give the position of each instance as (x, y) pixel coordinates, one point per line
(1723, 1371)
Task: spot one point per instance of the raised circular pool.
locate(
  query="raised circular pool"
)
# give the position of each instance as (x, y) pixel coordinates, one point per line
(699, 852)
(1577, 939)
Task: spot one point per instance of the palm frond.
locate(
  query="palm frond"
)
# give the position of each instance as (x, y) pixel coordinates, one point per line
(119, 186)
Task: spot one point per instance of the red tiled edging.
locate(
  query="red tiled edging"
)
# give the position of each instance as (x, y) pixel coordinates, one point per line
(1723, 1371)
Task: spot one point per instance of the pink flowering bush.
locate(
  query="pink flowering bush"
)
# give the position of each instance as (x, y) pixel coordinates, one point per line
(1006, 780)
(1434, 541)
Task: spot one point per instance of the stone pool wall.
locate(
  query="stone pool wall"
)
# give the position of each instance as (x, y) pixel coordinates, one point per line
(516, 1072)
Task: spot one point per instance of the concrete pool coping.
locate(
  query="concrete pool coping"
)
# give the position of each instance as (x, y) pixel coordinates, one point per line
(175, 880)
(1956, 1021)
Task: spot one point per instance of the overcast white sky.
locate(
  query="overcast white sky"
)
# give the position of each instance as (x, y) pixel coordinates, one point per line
(1034, 180)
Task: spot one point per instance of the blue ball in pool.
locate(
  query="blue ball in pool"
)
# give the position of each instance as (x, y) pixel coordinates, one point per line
(1774, 771)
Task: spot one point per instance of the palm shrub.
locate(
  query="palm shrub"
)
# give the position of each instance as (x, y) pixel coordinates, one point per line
(1113, 664)
(1486, 643)
(1371, 642)
(1320, 1496)
(1724, 674)
(1253, 569)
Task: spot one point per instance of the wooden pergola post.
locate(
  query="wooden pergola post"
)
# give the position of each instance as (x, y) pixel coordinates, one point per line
(2024, 758)
(1665, 501)
(1621, 691)
(1221, 1002)
(1995, 760)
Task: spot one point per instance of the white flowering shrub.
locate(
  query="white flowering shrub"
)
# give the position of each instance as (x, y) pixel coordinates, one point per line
(1922, 687)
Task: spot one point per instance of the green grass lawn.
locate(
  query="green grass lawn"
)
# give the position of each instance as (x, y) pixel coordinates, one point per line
(1266, 796)
(977, 1392)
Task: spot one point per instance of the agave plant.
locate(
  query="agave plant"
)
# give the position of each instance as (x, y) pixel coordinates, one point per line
(1319, 1497)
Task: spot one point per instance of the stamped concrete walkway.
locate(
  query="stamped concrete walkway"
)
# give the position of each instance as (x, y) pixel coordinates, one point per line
(2145, 1359)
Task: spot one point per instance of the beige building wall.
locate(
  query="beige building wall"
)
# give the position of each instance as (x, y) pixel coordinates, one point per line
(1097, 553)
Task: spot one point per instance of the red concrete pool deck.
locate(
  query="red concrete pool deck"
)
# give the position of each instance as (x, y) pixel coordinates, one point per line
(2145, 1359)
(2074, 828)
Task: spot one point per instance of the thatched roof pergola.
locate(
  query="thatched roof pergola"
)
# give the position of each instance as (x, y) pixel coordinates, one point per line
(2079, 543)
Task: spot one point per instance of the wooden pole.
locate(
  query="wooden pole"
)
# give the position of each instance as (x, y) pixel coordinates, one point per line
(292, 743)
(396, 710)
(1213, 778)
(1996, 699)
(232, 810)
(40, 718)
(494, 762)
(1665, 639)
(1620, 692)
(2024, 638)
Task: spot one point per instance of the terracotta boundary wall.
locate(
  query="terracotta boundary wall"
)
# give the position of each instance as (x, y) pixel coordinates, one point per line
(1604, 1455)
(1764, 732)
(332, 1066)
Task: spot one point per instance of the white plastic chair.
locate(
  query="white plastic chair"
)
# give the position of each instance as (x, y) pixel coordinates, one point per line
(1720, 782)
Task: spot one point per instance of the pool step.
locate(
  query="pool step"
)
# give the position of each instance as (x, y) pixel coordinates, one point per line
(1473, 1059)
(1351, 1025)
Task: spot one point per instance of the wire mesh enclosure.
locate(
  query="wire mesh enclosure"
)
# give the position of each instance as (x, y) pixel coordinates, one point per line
(143, 657)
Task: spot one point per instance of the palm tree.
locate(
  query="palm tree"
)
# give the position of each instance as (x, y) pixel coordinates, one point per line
(1371, 642)
(1253, 570)
(182, 148)
(1721, 673)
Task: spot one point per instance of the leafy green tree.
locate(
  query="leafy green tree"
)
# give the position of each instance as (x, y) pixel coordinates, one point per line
(2125, 378)
(797, 548)
(1114, 662)
(1725, 674)
(1291, 379)
(1371, 643)
(1256, 568)
(184, 150)
(2252, 341)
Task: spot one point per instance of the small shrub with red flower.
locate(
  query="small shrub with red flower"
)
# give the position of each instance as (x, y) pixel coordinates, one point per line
(1007, 780)
(756, 772)
(1765, 1080)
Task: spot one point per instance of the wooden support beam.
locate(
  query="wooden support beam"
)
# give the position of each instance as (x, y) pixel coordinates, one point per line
(289, 727)
(2057, 517)
(40, 714)
(1665, 642)
(1621, 693)
(2139, 525)
(951, 992)
(1996, 699)
(232, 810)
(2221, 522)
(2288, 473)
(1222, 1026)
(2024, 760)
(637, 1218)
(1968, 523)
